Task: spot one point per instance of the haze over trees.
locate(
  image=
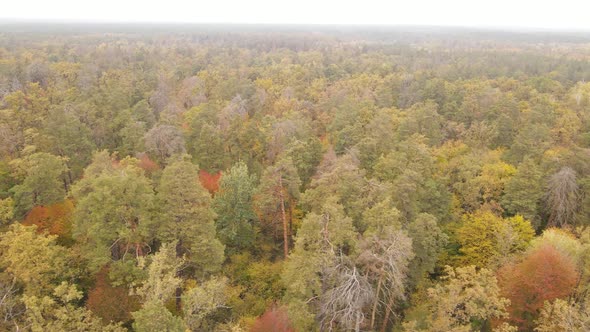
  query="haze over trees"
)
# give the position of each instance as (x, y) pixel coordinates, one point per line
(244, 178)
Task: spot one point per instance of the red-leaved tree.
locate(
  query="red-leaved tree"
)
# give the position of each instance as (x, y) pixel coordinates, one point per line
(112, 304)
(55, 219)
(543, 275)
(210, 181)
(274, 319)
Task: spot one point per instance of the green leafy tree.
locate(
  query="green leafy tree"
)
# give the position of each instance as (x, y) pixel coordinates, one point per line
(186, 216)
(154, 316)
(524, 191)
(428, 242)
(69, 138)
(43, 182)
(233, 204)
(113, 218)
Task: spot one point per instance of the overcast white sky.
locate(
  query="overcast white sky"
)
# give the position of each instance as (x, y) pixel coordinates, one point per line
(557, 14)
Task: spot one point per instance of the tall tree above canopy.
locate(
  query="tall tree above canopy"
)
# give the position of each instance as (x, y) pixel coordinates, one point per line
(186, 216)
(114, 211)
(234, 206)
(276, 194)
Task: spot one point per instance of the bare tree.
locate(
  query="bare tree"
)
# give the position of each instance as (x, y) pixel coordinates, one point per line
(163, 141)
(343, 305)
(562, 197)
(386, 258)
(11, 307)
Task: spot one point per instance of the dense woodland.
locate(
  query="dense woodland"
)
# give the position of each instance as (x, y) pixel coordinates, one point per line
(227, 178)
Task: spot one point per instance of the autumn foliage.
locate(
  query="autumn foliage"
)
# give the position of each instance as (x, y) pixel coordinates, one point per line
(108, 302)
(543, 275)
(56, 219)
(274, 319)
(210, 181)
(145, 163)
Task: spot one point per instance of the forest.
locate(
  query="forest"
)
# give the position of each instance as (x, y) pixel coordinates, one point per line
(293, 178)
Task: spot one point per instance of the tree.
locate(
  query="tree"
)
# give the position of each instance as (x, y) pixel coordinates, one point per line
(423, 119)
(563, 241)
(562, 315)
(428, 242)
(58, 312)
(524, 191)
(70, 139)
(12, 308)
(467, 300)
(487, 239)
(163, 141)
(277, 192)
(322, 237)
(544, 274)
(234, 207)
(343, 304)
(201, 301)
(186, 216)
(102, 296)
(43, 182)
(274, 319)
(113, 218)
(6, 210)
(385, 256)
(154, 316)
(562, 197)
(409, 169)
(160, 286)
(35, 260)
(55, 219)
(342, 177)
(210, 181)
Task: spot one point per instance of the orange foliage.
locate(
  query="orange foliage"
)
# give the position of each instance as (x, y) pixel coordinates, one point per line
(210, 181)
(108, 302)
(543, 275)
(273, 320)
(56, 219)
(145, 163)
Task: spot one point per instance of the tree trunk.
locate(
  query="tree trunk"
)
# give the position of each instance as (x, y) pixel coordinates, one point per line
(387, 312)
(376, 302)
(178, 289)
(357, 327)
(284, 216)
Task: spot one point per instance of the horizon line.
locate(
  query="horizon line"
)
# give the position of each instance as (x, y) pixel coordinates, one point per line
(503, 28)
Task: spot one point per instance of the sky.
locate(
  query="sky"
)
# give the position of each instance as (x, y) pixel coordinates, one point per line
(557, 14)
